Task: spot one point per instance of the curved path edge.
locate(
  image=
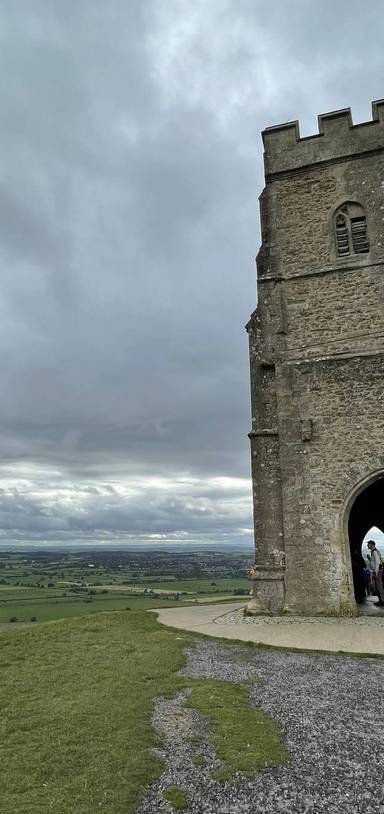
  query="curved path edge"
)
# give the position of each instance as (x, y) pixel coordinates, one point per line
(332, 636)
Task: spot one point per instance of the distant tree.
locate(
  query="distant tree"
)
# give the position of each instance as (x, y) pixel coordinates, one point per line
(33, 619)
(13, 619)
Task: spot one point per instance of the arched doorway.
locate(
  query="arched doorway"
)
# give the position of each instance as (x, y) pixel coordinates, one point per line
(367, 511)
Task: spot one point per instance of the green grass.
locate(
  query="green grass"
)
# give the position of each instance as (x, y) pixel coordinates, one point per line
(199, 760)
(64, 607)
(199, 586)
(76, 698)
(243, 737)
(22, 591)
(48, 606)
(177, 797)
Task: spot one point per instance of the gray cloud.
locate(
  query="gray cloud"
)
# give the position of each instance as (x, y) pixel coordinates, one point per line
(131, 167)
(41, 505)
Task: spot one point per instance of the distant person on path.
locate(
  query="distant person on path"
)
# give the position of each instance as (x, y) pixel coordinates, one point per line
(375, 562)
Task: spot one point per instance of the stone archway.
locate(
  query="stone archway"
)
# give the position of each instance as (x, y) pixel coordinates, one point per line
(366, 511)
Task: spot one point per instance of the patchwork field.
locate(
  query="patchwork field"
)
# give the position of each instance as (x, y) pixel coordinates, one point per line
(44, 586)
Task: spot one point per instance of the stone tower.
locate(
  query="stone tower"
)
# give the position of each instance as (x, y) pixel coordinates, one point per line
(317, 363)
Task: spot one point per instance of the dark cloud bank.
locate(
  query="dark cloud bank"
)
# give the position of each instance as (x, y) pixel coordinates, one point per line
(131, 166)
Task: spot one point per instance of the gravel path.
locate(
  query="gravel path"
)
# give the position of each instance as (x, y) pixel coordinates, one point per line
(332, 717)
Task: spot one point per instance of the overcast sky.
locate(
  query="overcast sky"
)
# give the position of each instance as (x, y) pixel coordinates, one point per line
(131, 164)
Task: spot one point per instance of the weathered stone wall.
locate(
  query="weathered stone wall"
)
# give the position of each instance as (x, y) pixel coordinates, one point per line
(343, 398)
(317, 360)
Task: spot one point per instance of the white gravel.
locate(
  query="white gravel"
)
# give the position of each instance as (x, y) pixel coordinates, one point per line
(331, 714)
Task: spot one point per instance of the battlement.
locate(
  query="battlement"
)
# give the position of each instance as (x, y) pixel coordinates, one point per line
(338, 137)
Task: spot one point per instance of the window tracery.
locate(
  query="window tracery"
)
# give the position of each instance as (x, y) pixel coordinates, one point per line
(351, 230)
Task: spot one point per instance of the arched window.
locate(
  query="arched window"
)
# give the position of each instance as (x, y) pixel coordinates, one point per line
(351, 230)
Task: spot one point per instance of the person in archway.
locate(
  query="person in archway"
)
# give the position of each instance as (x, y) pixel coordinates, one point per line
(375, 562)
(358, 567)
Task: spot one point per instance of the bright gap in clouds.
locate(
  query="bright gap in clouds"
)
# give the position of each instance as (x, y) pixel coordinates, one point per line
(41, 505)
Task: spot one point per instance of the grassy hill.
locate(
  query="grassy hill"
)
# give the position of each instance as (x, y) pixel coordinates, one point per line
(76, 699)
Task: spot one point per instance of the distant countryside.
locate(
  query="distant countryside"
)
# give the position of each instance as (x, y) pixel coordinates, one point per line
(40, 586)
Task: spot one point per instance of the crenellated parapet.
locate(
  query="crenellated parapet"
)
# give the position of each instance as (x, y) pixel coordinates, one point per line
(338, 138)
